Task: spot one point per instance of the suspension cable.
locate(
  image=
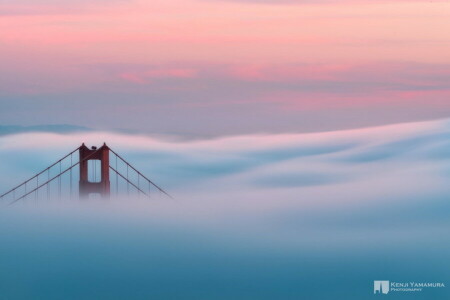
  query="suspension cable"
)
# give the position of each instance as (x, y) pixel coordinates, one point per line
(155, 185)
(38, 173)
(129, 182)
(79, 162)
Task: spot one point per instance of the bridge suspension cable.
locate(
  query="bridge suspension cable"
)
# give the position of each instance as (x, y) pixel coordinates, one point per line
(50, 180)
(37, 175)
(151, 183)
(129, 182)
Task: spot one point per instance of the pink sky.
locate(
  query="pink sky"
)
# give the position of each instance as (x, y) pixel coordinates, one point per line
(170, 55)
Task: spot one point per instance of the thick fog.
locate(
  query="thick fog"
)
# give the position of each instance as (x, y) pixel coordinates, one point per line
(277, 212)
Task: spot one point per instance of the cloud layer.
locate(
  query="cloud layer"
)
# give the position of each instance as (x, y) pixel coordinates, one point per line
(264, 212)
(400, 160)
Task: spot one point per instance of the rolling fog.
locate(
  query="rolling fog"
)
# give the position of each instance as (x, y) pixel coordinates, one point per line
(287, 216)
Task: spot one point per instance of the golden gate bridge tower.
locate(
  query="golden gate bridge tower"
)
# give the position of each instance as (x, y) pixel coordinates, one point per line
(97, 171)
(87, 187)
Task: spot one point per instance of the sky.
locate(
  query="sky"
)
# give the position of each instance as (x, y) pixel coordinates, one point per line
(218, 67)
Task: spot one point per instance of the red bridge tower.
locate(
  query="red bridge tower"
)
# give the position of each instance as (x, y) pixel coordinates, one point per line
(102, 186)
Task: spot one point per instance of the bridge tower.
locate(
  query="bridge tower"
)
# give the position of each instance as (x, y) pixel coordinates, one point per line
(102, 186)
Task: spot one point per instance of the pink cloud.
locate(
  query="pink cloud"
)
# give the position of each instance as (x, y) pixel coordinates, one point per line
(226, 32)
(171, 73)
(306, 101)
(142, 77)
(260, 72)
(132, 77)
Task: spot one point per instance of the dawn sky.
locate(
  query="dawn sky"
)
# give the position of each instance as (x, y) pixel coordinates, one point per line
(223, 67)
